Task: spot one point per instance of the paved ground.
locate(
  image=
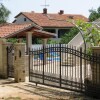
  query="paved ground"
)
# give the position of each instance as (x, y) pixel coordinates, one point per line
(28, 91)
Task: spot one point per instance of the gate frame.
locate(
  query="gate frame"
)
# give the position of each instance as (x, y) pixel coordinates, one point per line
(78, 53)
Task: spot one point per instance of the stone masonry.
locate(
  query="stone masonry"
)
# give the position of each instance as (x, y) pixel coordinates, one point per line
(19, 62)
(3, 58)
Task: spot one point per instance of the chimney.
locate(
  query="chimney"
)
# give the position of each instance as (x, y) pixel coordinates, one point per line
(32, 11)
(61, 12)
(45, 11)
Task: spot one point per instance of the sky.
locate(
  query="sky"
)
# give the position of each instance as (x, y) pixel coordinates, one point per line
(69, 6)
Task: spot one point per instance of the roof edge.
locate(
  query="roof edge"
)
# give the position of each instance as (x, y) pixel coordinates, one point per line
(21, 30)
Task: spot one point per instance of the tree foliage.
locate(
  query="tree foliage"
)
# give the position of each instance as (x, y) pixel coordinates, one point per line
(4, 14)
(37, 41)
(94, 14)
(51, 41)
(16, 40)
(65, 39)
(92, 33)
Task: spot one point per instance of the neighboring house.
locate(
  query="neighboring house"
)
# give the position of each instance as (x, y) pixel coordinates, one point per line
(97, 23)
(54, 23)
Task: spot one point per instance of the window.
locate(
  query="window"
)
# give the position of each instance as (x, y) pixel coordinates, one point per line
(25, 19)
(61, 32)
(50, 30)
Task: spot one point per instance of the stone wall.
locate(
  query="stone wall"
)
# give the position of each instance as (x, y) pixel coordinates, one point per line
(3, 58)
(20, 63)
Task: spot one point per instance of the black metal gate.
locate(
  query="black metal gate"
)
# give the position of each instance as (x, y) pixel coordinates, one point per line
(10, 61)
(65, 67)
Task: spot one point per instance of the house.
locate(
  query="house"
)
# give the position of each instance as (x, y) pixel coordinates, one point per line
(54, 23)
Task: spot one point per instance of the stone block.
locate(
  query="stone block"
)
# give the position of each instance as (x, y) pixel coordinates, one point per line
(19, 62)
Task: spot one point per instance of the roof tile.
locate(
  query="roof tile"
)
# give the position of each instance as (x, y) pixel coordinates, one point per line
(7, 29)
(52, 20)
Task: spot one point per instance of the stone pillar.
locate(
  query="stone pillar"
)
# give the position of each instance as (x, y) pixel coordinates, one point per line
(19, 62)
(92, 86)
(96, 50)
(44, 46)
(29, 41)
(56, 32)
(3, 59)
(20, 40)
(96, 67)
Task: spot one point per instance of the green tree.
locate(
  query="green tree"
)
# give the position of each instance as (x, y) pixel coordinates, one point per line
(92, 33)
(4, 14)
(94, 14)
(66, 38)
(50, 41)
(37, 40)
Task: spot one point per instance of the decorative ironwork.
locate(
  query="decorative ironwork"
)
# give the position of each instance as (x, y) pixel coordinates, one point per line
(10, 61)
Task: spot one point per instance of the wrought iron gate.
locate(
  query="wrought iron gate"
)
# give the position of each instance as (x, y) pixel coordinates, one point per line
(64, 67)
(10, 61)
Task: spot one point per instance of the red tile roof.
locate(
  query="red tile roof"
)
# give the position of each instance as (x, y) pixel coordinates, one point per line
(52, 20)
(7, 29)
(13, 30)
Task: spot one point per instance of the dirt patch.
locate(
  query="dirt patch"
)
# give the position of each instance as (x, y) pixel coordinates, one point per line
(29, 91)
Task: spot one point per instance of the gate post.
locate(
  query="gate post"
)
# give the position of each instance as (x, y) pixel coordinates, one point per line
(19, 62)
(3, 59)
(96, 66)
(93, 85)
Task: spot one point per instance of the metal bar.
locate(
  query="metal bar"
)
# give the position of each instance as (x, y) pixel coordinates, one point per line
(43, 61)
(72, 63)
(85, 72)
(60, 63)
(40, 63)
(29, 66)
(32, 59)
(48, 60)
(55, 60)
(92, 63)
(99, 68)
(7, 63)
(96, 72)
(67, 62)
(53, 57)
(81, 69)
(75, 64)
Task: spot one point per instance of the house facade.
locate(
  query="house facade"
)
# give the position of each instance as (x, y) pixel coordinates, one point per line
(54, 23)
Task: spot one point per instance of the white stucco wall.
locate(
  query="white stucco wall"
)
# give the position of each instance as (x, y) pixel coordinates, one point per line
(20, 19)
(77, 41)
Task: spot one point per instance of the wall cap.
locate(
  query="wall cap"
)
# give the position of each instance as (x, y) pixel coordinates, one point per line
(19, 43)
(96, 48)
